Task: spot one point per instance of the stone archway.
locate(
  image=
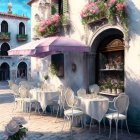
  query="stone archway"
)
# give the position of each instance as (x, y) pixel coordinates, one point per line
(99, 37)
(22, 70)
(4, 72)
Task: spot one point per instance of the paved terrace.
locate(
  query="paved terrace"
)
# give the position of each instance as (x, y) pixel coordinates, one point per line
(45, 127)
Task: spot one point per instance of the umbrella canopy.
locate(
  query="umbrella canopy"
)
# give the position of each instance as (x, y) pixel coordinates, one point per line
(50, 45)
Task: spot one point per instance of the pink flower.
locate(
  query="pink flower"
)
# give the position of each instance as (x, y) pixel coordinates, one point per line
(42, 29)
(120, 6)
(111, 3)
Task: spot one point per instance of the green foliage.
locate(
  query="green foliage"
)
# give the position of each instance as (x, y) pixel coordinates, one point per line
(53, 69)
(19, 135)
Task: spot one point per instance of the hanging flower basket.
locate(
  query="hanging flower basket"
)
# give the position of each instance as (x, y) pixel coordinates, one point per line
(93, 11)
(49, 26)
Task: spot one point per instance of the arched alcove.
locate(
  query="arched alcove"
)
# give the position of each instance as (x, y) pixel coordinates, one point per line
(4, 26)
(21, 28)
(4, 72)
(100, 49)
(4, 49)
(22, 70)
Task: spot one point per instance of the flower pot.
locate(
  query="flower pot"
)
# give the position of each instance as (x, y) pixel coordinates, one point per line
(119, 91)
(114, 91)
(108, 90)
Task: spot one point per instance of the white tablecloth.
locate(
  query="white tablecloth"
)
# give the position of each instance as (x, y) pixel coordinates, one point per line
(44, 97)
(95, 107)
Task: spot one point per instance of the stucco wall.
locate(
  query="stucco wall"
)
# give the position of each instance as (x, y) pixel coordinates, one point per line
(13, 28)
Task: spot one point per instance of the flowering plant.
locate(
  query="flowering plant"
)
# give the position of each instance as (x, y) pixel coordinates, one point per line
(49, 26)
(117, 8)
(14, 129)
(93, 11)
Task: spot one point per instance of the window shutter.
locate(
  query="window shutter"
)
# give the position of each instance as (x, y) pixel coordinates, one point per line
(65, 6)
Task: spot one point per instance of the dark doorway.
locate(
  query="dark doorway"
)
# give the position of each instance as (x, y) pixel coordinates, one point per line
(4, 49)
(22, 70)
(58, 64)
(4, 72)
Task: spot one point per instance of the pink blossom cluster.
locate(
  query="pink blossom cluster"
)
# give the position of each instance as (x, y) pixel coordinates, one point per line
(120, 6)
(117, 4)
(111, 3)
(90, 9)
(53, 20)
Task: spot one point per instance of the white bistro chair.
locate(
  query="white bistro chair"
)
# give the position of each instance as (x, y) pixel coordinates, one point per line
(81, 92)
(119, 112)
(94, 89)
(73, 112)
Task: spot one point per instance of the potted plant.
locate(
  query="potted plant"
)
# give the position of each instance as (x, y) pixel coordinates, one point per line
(114, 86)
(49, 26)
(93, 11)
(120, 87)
(108, 86)
(117, 9)
(15, 130)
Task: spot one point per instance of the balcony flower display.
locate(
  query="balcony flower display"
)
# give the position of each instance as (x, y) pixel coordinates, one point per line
(93, 11)
(117, 8)
(49, 26)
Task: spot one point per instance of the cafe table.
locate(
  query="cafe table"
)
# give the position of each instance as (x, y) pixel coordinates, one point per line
(45, 98)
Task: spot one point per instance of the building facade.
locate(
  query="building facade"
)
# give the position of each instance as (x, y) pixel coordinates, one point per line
(110, 45)
(14, 31)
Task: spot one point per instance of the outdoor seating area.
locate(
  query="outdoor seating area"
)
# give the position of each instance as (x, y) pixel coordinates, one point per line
(76, 107)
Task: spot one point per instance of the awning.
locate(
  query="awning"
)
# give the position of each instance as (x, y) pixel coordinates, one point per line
(50, 45)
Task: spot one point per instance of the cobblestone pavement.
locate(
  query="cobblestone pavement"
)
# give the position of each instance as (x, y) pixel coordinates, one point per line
(44, 127)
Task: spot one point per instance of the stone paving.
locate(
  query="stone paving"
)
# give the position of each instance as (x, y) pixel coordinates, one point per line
(44, 127)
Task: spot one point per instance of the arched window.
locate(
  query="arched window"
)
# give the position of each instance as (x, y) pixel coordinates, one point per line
(21, 28)
(4, 27)
(4, 49)
(22, 70)
(4, 72)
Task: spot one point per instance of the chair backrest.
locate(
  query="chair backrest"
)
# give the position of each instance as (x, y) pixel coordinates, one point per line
(121, 103)
(70, 98)
(81, 92)
(24, 92)
(94, 88)
(62, 100)
(15, 89)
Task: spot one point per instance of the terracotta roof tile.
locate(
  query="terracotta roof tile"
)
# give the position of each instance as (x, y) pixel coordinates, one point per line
(13, 16)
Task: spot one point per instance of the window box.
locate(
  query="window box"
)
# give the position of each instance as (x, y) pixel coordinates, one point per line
(4, 36)
(22, 37)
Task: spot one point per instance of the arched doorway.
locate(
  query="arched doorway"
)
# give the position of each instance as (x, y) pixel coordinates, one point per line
(4, 72)
(22, 70)
(106, 48)
(4, 49)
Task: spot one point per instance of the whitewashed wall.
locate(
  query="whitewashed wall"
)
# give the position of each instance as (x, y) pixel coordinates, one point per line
(13, 28)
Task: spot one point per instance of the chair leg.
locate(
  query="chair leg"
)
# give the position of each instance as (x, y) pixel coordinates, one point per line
(58, 109)
(110, 123)
(127, 127)
(121, 125)
(99, 128)
(30, 107)
(91, 123)
(104, 124)
(116, 121)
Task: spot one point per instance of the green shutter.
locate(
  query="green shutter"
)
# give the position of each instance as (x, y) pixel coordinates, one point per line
(65, 6)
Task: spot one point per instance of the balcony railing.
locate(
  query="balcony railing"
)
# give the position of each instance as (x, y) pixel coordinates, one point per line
(22, 37)
(4, 36)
